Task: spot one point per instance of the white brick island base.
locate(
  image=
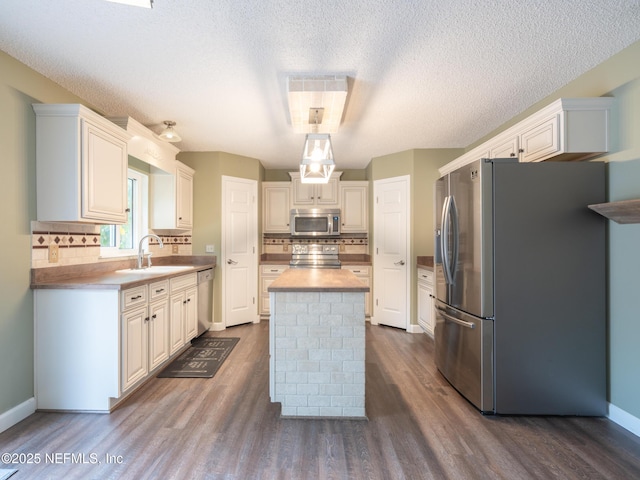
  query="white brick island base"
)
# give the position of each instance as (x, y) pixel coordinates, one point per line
(317, 344)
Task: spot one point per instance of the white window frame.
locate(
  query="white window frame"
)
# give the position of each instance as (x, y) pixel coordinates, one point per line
(140, 217)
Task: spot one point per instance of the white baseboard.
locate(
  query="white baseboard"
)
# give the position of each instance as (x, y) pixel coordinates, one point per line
(624, 419)
(18, 413)
(412, 328)
(217, 327)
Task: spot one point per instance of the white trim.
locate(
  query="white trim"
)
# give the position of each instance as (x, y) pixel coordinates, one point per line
(624, 419)
(18, 413)
(412, 328)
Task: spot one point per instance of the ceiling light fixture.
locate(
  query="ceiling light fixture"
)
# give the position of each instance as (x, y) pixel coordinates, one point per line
(135, 3)
(169, 134)
(317, 156)
(312, 91)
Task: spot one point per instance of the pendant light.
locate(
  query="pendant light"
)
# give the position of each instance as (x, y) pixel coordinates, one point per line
(317, 163)
(169, 134)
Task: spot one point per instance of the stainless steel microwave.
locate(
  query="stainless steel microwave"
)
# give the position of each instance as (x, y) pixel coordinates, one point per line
(314, 222)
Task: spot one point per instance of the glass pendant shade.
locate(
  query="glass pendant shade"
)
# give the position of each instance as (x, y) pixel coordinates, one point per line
(169, 134)
(317, 159)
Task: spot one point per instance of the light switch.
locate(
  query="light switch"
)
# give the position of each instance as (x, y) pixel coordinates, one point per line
(210, 248)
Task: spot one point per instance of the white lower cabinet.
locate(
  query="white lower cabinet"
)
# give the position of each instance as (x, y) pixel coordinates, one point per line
(363, 272)
(184, 320)
(268, 273)
(135, 343)
(425, 300)
(158, 324)
(94, 347)
(184, 311)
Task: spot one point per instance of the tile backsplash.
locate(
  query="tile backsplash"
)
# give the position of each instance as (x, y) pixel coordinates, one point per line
(80, 243)
(349, 243)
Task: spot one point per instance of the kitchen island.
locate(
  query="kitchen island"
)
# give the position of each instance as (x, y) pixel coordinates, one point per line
(317, 343)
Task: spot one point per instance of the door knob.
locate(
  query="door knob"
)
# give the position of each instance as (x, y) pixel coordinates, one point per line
(232, 262)
(401, 262)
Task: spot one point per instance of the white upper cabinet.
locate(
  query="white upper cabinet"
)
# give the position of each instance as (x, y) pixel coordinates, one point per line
(276, 204)
(310, 195)
(81, 166)
(354, 198)
(567, 129)
(172, 198)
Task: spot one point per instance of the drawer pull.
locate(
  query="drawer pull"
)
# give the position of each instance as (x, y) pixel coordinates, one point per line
(136, 297)
(160, 290)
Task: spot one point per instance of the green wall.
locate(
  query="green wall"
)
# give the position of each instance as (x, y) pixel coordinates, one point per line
(19, 88)
(210, 167)
(283, 175)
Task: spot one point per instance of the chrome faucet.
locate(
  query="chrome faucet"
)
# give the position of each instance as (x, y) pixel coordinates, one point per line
(140, 252)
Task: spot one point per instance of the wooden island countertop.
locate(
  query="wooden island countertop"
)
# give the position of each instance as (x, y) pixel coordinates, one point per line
(317, 280)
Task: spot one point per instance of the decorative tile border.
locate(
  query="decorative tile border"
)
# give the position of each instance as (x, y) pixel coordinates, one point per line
(42, 239)
(172, 240)
(344, 239)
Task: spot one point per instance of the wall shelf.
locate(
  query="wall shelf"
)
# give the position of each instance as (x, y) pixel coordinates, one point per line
(624, 211)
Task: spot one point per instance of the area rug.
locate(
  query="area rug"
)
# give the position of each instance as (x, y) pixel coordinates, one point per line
(203, 358)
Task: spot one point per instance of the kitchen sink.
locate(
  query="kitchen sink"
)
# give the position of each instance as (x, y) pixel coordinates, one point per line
(156, 270)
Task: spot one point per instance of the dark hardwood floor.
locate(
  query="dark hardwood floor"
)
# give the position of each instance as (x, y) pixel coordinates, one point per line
(226, 428)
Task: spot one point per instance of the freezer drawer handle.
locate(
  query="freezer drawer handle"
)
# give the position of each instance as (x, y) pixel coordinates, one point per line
(456, 320)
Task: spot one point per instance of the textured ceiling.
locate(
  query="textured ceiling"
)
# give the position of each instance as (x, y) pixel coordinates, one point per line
(422, 73)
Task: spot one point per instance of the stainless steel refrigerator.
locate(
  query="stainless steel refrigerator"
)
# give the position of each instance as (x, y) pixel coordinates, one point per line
(521, 286)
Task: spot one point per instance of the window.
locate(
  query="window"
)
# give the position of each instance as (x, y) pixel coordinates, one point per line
(121, 240)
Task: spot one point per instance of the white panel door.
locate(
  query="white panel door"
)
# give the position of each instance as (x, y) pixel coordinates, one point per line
(391, 252)
(239, 250)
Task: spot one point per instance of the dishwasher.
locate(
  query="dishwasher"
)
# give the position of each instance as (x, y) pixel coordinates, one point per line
(205, 300)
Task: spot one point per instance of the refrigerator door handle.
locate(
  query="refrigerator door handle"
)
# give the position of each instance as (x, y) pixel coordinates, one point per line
(444, 244)
(453, 215)
(449, 227)
(454, 319)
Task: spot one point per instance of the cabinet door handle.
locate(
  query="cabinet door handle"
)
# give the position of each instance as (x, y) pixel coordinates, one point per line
(146, 319)
(154, 316)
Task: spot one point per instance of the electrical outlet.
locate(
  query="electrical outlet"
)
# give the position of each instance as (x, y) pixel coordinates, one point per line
(54, 251)
(174, 248)
(285, 247)
(210, 248)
